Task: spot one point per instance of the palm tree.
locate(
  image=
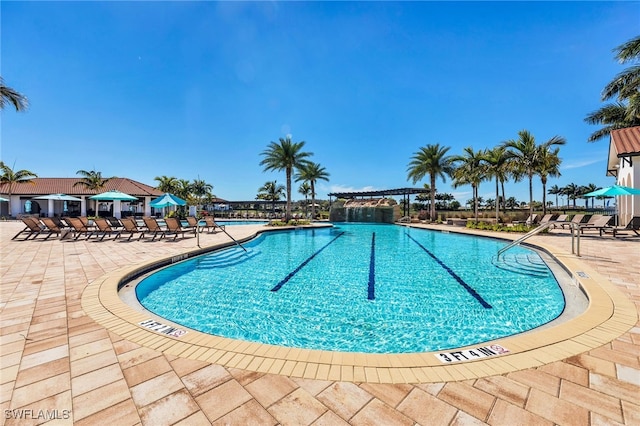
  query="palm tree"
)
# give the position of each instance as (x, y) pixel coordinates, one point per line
(431, 160)
(526, 155)
(497, 162)
(270, 191)
(183, 189)
(471, 170)
(285, 155)
(200, 189)
(166, 183)
(548, 165)
(10, 178)
(585, 190)
(305, 190)
(312, 172)
(572, 191)
(93, 181)
(555, 190)
(7, 94)
(625, 88)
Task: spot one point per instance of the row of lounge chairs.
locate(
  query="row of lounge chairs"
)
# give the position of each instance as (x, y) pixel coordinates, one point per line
(74, 228)
(602, 223)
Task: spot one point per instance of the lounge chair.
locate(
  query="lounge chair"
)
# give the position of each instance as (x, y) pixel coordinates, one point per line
(154, 227)
(79, 228)
(546, 219)
(114, 222)
(105, 228)
(131, 226)
(32, 228)
(175, 227)
(531, 220)
(632, 226)
(560, 220)
(211, 224)
(193, 223)
(598, 222)
(576, 219)
(53, 227)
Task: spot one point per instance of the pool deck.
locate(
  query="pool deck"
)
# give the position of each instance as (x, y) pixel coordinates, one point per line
(73, 350)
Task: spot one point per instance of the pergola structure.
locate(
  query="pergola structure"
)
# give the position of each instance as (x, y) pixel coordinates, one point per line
(405, 192)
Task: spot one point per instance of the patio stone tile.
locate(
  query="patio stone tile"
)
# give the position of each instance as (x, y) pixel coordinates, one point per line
(557, 410)
(426, 409)
(538, 380)
(42, 371)
(504, 388)
(270, 388)
(249, 413)
(566, 371)
(136, 356)
(43, 345)
(92, 402)
(146, 370)
(223, 399)
(156, 388)
(197, 418)
(390, 394)
(314, 387)
(600, 420)
(88, 349)
(628, 374)
(244, 377)
(124, 413)
(464, 419)
(591, 400)
(379, 413)
(205, 379)
(297, 408)
(614, 387)
(170, 409)
(593, 364)
(96, 379)
(345, 399)
(184, 366)
(504, 413)
(26, 395)
(631, 413)
(473, 401)
(93, 362)
(44, 357)
(330, 419)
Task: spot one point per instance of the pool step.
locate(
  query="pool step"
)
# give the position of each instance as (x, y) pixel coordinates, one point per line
(226, 258)
(527, 264)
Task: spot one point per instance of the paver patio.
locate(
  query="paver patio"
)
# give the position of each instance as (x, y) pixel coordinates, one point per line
(56, 361)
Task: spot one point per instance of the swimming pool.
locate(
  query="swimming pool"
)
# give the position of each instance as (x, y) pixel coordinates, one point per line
(358, 288)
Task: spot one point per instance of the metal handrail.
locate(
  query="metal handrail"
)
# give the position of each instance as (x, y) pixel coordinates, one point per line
(524, 237)
(223, 230)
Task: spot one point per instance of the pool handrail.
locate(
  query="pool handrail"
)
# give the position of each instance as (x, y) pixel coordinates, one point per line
(524, 237)
(198, 230)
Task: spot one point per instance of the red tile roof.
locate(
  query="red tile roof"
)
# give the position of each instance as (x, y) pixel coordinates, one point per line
(626, 141)
(45, 186)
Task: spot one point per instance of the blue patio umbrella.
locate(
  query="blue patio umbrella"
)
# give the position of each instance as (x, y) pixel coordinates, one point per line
(167, 200)
(612, 191)
(113, 195)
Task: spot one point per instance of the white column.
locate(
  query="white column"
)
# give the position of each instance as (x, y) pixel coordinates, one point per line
(116, 208)
(83, 206)
(50, 208)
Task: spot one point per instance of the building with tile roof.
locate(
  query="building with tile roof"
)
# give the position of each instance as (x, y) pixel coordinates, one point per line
(23, 196)
(624, 164)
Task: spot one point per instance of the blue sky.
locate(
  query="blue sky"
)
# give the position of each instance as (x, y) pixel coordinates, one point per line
(199, 89)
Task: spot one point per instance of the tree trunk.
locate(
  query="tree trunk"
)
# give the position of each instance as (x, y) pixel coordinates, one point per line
(497, 202)
(433, 197)
(288, 211)
(313, 201)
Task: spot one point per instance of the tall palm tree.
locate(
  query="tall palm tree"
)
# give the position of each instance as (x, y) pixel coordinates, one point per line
(572, 191)
(285, 155)
(200, 189)
(625, 88)
(585, 190)
(183, 189)
(555, 190)
(271, 191)
(431, 160)
(312, 172)
(470, 170)
(526, 155)
(497, 162)
(9, 95)
(305, 190)
(166, 183)
(9, 178)
(548, 165)
(93, 181)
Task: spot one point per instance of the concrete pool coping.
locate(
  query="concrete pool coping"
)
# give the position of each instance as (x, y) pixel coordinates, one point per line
(608, 315)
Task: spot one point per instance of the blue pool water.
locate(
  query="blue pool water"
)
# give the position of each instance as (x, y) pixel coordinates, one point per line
(358, 288)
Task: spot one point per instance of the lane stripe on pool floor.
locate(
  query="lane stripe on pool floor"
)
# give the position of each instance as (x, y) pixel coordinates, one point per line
(371, 293)
(466, 286)
(302, 265)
